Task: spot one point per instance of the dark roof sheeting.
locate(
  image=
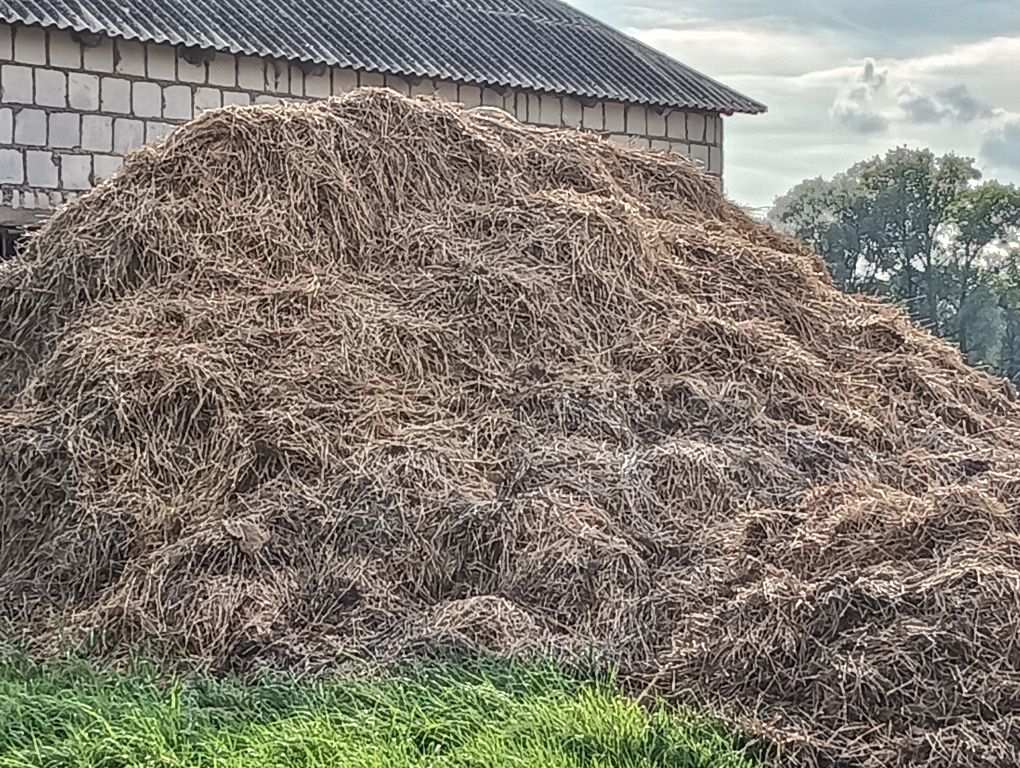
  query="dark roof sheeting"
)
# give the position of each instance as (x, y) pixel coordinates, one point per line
(541, 45)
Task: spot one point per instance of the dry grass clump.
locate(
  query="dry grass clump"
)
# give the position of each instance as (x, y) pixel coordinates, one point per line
(365, 375)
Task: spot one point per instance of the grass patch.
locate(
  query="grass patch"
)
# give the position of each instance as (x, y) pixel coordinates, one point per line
(480, 714)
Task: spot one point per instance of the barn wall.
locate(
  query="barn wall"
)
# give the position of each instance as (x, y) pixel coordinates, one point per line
(70, 110)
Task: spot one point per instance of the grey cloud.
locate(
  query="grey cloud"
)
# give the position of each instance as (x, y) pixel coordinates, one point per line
(1001, 147)
(918, 106)
(956, 104)
(853, 105)
(963, 105)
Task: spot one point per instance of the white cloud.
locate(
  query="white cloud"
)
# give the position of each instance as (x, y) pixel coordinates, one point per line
(735, 49)
(855, 104)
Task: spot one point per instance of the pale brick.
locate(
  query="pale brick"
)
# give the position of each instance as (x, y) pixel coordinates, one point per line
(265, 98)
(106, 166)
(146, 99)
(129, 58)
(30, 45)
(470, 95)
(572, 113)
(637, 120)
(97, 133)
(656, 123)
(519, 104)
(161, 62)
(534, 106)
(155, 130)
(620, 138)
(237, 98)
(42, 169)
(593, 117)
(676, 125)
(492, 98)
(424, 87)
(207, 98)
(6, 125)
(696, 128)
(446, 90)
(115, 95)
(251, 73)
(223, 70)
(177, 102)
(190, 73)
(12, 166)
(6, 43)
(83, 91)
(64, 50)
(550, 110)
(56, 199)
(28, 200)
(660, 145)
(297, 81)
(277, 79)
(712, 129)
(16, 83)
(715, 160)
(50, 88)
(377, 80)
(398, 84)
(680, 148)
(344, 80)
(99, 58)
(699, 153)
(76, 171)
(614, 118)
(30, 127)
(15, 198)
(317, 84)
(128, 134)
(65, 130)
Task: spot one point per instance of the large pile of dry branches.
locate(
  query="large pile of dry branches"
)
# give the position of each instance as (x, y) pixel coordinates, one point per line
(312, 382)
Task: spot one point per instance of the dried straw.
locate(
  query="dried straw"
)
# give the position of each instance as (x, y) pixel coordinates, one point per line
(361, 376)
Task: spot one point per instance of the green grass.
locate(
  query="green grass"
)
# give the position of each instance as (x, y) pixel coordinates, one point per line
(441, 716)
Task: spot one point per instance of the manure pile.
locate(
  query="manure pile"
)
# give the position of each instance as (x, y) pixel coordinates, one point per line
(368, 376)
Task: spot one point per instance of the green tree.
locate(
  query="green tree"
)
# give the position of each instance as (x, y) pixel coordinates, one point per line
(921, 230)
(1008, 290)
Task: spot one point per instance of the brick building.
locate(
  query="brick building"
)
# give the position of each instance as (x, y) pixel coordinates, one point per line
(82, 82)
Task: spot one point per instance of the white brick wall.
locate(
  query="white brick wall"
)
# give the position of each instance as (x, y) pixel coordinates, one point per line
(65, 130)
(16, 82)
(6, 125)
(97, 133)
(83, 91)
(69, 111)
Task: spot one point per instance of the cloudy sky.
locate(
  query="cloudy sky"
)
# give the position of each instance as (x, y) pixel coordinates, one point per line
(845, 79)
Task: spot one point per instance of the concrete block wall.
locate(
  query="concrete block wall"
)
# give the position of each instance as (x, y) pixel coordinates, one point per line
(695, 134)
(71, 107)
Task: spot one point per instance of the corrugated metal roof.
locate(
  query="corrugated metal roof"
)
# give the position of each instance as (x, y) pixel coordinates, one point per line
(542, 45)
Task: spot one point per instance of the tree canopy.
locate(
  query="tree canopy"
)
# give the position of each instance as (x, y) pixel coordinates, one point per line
(927, 232)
